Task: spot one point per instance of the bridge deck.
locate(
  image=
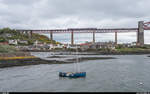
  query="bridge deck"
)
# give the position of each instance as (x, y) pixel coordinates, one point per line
(84, 30)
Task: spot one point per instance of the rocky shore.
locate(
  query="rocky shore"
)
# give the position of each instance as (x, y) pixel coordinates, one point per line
(15, 54)
(124, 53)
(34, 61)
(99, 52)
(25, 58)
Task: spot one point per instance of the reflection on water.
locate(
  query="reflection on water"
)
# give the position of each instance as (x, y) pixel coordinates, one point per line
(67, 78)
(127, 73)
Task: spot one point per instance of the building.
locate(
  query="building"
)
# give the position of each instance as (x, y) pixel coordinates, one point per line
(126, 44)
(133, 43)
(99, 45)
(59, 46)
(22, 42)
(13, 42)
(6, 35)
(85, 46)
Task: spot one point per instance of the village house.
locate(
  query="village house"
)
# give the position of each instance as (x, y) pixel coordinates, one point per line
(133, 43)
(37, 43)
(126, 44)
(40, 46)
(51, 46)
(23, 41)
(55, 46)
(59, 46)
(13, 42)
(6, 35)
(99, 45)
(85, 46)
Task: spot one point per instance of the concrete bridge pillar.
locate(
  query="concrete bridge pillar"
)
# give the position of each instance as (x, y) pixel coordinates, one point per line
(51, 35)
(93, 37)
(72, 38)
(116, 40)
(140, 33)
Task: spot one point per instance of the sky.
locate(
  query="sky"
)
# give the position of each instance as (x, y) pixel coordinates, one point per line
(56, 14)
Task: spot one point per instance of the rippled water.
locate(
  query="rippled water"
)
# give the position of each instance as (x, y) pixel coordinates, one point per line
(128, 73)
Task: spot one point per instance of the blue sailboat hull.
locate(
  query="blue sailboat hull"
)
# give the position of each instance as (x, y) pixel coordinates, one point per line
(72, 74)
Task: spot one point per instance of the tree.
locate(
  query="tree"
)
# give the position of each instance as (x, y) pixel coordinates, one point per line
(5, 30)
(2, 39)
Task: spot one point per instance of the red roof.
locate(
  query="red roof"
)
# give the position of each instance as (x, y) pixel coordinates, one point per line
(84, 44)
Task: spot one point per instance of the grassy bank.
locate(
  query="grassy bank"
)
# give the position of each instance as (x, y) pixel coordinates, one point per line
(7, 49)
(133, 50)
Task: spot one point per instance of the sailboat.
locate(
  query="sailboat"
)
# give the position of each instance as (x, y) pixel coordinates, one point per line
(77, 73)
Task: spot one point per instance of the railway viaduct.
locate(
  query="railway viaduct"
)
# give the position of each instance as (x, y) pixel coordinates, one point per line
(140, 31)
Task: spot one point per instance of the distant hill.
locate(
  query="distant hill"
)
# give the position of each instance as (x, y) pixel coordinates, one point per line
(7, 34)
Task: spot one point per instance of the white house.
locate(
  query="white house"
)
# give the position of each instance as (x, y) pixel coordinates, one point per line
(14, 42)
(51, 46)
(59, 46)
(133, 43)
(23, 41)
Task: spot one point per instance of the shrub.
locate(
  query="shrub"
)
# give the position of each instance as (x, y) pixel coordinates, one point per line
(7, 48)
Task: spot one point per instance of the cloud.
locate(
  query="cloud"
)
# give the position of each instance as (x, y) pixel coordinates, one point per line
(51, 14)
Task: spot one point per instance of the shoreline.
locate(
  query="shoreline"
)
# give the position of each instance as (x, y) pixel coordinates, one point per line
(37, 61)
(96, 53)
(25, 58)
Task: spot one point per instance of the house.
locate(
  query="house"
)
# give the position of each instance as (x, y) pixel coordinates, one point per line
(59, 46)
(37, 43)
(14, 42)
(127, 45)
(85, 46)
(23, 41)
(68, 46)
(6, 35)
(51, 46)
(99, 45)
(133, 43)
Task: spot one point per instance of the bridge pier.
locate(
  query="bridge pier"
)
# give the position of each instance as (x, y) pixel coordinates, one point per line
(31, 34)
(140, 34)
(72, 38)
(116, 38)
(93, 37)
(26, 32)
(51, 35)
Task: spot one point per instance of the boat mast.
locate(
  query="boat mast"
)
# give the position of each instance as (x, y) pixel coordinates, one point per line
(77, 59)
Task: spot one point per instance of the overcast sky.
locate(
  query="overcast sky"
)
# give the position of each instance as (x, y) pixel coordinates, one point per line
(52, 14)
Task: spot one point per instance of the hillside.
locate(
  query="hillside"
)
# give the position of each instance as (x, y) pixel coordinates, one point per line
(7, 34)
(8, 49)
